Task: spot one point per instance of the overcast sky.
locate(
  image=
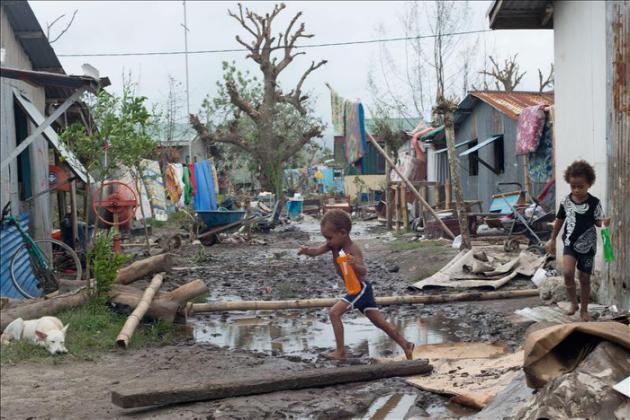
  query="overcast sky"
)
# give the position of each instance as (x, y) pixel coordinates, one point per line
(149, 26)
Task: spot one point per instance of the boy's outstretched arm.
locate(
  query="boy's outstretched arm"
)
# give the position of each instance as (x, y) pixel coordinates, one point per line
(313, 252)
(356, 260)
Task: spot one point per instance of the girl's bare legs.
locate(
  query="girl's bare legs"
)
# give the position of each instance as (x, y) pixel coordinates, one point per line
(585, 293)
(568, 269)
(378, 320)
(335, 313)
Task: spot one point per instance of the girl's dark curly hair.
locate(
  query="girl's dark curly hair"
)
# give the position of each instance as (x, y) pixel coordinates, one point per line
(580, 168)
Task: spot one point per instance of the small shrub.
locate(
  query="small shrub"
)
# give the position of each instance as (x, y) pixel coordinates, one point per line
(105, 262)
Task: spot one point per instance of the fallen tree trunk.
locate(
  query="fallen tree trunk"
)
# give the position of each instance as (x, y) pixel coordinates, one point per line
(134, 319)
(137, 270)
(386, 300)
(43, 307)
(265, 384)
(165, 305)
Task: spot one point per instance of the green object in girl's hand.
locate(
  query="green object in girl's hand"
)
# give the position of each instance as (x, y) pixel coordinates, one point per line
(609, 255)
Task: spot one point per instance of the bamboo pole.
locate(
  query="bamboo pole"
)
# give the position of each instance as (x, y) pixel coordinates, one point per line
(252, 384)
(411, 187)
(254, 305)
(388, 191)
(132, 322)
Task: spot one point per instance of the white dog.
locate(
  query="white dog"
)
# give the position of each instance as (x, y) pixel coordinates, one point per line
(46, 331)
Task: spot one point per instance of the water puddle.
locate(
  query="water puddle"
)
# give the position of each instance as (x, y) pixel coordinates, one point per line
(296, 334)
(390, 407)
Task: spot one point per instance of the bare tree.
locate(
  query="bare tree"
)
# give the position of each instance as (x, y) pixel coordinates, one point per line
(49, 26)
(507, 76)
(270, 148)
(548, 82)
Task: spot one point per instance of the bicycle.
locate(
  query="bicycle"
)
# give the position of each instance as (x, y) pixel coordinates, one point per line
(50, 261)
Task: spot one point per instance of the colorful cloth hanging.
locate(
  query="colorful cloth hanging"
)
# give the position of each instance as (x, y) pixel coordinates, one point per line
(187, 186)
(356, 143)
(337, 111)
(530, 126)
(206, 197)
(173, 187)
(540, 162)
(191, 168)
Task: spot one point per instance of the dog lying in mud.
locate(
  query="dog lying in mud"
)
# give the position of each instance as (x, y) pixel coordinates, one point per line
(46, 331)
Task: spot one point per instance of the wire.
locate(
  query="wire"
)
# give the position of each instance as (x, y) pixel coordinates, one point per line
(332, 44)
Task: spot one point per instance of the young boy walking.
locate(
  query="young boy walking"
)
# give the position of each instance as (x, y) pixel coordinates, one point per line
(335, 228)
(582, 212)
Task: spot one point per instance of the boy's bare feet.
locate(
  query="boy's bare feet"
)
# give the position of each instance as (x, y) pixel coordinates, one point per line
(585, 316)
(336, 355)
(409, 350)
(573, 309)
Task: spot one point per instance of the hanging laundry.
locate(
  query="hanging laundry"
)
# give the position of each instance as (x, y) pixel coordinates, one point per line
(173, 187)
(155, 187)
(540, 162)
(337, 111)
(354, 132)
(191, 168)
(179, 171)
(530, 126)
(187, 186)
(206, 197)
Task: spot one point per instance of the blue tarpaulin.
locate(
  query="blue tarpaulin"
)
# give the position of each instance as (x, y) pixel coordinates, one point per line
(205, 198)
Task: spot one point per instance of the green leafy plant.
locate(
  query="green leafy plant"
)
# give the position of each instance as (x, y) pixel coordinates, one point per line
(105, 262)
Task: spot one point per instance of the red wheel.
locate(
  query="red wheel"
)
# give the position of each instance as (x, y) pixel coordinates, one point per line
(121, 198)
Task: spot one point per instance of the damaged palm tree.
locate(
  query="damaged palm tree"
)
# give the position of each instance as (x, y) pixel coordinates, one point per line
(268, 145)
(446, 108)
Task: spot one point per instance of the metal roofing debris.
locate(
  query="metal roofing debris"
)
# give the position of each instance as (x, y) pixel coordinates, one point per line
(509, 103)
(431, 134)
(456, 146)
(31, 36)
(42, 78)
(482, 144)
(518, 14)
(10, 240)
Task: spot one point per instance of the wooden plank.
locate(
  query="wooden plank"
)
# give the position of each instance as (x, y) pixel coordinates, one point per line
(134, 319)
(230, 388)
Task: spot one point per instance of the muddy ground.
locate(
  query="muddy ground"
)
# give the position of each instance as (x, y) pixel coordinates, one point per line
(242, 344)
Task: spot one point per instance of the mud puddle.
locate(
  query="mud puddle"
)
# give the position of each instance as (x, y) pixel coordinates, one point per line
(295, 334)
(392, 406)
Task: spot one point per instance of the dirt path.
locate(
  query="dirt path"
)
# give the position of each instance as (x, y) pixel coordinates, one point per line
(63, 388)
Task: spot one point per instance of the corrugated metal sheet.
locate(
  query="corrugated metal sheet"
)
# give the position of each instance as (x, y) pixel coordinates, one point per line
(519, 14)
(510, 103)
(616, 282)
(10, 240)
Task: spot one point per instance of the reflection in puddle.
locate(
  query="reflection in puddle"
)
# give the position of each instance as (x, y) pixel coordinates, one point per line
(392, 406)
(299, 335)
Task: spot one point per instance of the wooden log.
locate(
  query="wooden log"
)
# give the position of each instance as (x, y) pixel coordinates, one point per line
(127, 298)
(411, 187)
(43, 307)
(253, 385)
(134, 319)
(137, 270)
(385, 300)
(188, 291)
(397, 207)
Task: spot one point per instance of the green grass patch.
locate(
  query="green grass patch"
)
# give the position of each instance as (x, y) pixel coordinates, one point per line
(93, 330)
(405, 245)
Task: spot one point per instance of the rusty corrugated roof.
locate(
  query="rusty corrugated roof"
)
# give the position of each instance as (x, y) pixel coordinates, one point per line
(512, 103)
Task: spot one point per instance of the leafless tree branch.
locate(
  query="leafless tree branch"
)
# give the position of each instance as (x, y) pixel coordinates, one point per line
(48, 27)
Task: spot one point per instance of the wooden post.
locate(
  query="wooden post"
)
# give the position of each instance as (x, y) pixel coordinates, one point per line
(262, 305)
(73, 212)
(446, 109)
(436, 195)
(423, 194)
(448, 196)
(388, 191)
(403, 205)
(397, 204)
(527, 181)
(411, 187)
(141, 268)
